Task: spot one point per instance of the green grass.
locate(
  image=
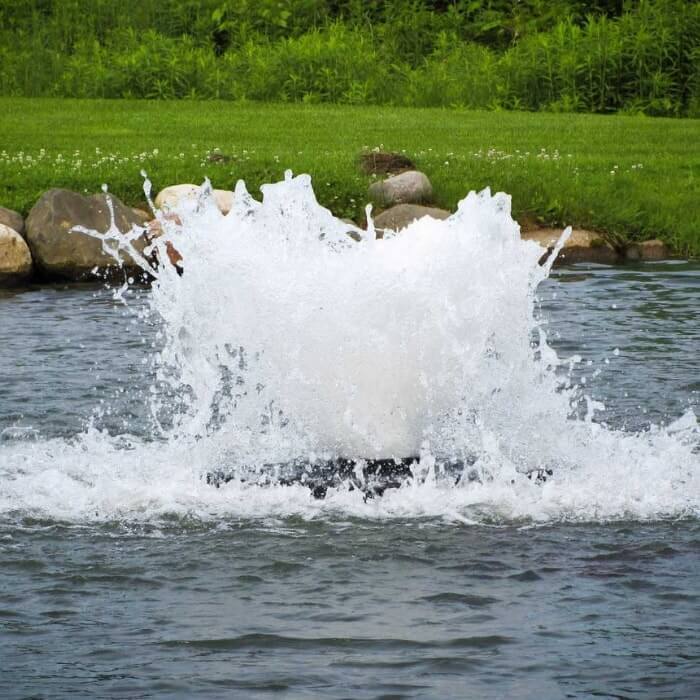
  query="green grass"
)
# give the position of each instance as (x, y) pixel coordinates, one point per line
(630, 177)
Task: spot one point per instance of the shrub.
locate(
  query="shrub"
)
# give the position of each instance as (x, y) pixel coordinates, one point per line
(476, 53)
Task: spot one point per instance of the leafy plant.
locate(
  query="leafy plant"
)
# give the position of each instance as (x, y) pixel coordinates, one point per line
(554, 55)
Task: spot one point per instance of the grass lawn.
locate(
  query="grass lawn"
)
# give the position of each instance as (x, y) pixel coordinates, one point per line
(631, 177)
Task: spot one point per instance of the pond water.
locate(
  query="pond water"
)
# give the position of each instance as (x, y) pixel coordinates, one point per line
(124, 588)
(125, 573)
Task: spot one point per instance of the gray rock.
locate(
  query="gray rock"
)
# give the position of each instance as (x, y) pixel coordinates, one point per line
(12, 219)
(411, 187)
(15, 258)
(582, 246)
(653, 249)
(63, 254)
(402, 215)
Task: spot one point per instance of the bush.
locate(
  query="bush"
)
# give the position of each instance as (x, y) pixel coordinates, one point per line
(336, 64)
(477, 54)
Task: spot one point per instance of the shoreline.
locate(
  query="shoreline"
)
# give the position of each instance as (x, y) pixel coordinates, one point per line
(52, 244)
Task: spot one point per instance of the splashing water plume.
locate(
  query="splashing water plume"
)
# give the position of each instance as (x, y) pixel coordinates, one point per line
(285, 339)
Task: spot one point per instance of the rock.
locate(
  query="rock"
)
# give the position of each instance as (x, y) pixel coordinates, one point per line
(582, 246)
(12, 219)
(143, 215)
(402, 215)
(382, 163)
(15, 258)
(170, 196)
(411, 187)
(63, 254)
(648, 250)
(217, 157)
(528, 222)
(224, 200)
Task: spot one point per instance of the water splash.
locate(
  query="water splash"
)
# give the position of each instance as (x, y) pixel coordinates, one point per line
(353, 349)
(287, 339)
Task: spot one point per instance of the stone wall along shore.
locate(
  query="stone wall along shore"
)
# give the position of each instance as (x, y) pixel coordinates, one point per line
(43, 248)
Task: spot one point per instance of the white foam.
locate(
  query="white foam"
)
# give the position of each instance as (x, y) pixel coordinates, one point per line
(290, 340)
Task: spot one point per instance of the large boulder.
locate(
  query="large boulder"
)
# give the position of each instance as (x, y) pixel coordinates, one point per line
(582, 246)
(15, 258)
(61, 253)
(13, 219)
(402, 215)
(173, 195)
(410, 187)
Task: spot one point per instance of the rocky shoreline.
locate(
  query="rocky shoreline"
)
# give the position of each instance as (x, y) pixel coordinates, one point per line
(42, 248)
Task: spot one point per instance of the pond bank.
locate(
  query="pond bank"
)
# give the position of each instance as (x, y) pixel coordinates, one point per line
(47, 246)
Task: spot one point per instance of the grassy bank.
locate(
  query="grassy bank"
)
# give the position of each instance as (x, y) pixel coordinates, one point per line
(631, 177)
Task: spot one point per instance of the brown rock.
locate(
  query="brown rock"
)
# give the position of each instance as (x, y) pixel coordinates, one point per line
(143, 215)
(61, 253)
(400, 216)
(382, 163)
(582, 246)
(653, 249)
(12, 219)
(154, 229)
(217, 157)
(15, 258)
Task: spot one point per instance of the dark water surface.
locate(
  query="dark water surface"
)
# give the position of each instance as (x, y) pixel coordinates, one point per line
(350, 608)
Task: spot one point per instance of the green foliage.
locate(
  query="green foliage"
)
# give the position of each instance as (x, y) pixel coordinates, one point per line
(553, 55)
